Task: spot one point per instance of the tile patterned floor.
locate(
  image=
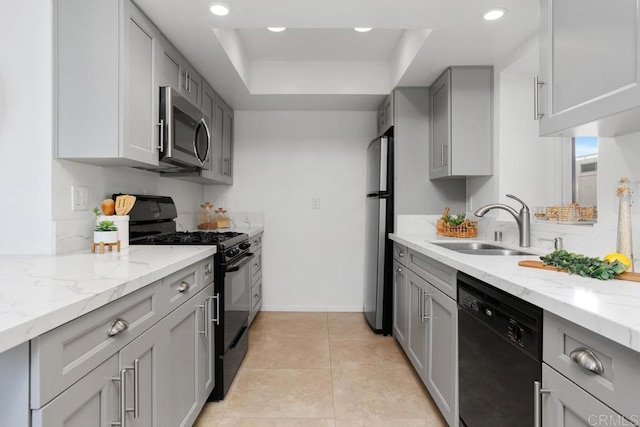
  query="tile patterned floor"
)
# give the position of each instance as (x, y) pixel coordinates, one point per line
(322, 370)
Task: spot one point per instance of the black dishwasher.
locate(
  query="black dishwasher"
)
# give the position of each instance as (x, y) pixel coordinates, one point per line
(500, 354)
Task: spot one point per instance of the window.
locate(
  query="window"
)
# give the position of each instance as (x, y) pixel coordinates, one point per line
(585, 171)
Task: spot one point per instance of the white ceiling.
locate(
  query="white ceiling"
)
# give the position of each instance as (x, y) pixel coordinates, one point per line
(320, 63)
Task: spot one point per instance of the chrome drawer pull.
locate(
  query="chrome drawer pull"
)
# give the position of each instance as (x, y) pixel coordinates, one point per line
(401, 254)
(183, 287)
(588, 360)
(117, 326)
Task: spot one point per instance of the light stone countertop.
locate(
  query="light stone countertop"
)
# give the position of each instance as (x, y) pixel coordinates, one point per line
(610, 308)
(41, 292)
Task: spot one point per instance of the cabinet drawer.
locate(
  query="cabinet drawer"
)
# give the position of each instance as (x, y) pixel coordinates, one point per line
(256, 264)
(439, 275)
(616, 385)
(182, 285)
(256, 242)
(62, 356)
(400, 254)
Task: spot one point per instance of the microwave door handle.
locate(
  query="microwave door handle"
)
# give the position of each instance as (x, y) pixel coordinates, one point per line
(202, 124)
(249, 257)
(161, 126)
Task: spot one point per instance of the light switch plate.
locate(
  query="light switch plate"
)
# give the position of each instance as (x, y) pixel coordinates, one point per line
(315, 202)
(79, 198)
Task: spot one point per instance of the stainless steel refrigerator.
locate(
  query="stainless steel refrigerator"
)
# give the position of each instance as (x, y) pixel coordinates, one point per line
(378, 223)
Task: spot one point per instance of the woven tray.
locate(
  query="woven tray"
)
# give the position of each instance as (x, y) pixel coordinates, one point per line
(466, 229)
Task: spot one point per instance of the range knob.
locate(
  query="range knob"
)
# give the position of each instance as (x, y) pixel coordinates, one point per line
(232, 252)
(488, 312)
(245, 245)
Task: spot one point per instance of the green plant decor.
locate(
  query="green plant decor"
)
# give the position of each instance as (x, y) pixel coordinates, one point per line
(106, 226)
(583, 265)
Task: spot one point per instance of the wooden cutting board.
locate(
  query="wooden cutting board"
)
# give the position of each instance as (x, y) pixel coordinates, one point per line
(634, 277)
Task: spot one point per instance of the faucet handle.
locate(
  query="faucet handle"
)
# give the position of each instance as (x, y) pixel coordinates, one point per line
(524, 205)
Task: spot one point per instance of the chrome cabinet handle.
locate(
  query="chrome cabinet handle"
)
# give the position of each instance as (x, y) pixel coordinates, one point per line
(183, 287)
(117, 326)
(536, 98)
(161, 126)
(217, 318)
(420, 304)
(257, 297)
(121, 401)
(442, 153)
(205, 322)
(401, 254)
(425, 317)
(399, 269)
(123, 398)
(587, 360)
(538, 391)
(136, 388)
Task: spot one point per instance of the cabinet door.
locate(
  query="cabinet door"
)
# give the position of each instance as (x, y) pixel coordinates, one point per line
(227, 144)
(442, 354)
(216, 138)
(183, 324)
(567, 405)
(141, 95)
(171, 61)
(400, 304)
(440, 126)
(589, 62)
(92, 401)
(208, 110)
(146, 358)
(204, 347)
(417, 339)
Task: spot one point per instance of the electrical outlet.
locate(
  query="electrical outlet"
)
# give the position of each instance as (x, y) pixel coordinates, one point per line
(315, 202)
(469, 206)
(79, 198)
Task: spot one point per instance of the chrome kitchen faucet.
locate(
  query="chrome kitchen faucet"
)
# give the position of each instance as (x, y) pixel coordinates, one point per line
(523, 218)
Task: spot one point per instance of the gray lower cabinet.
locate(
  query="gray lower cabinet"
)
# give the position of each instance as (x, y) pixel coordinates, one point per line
(400, 304)
(92, 401)
(144, 362)
(189, 334)
(425, 323)
(256, 276)
(442, 368)
(567, 405)
(417, 338)
(163, 374)
(589, 380)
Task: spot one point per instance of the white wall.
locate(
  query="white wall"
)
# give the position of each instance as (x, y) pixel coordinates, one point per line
(313, 259)
(25, 127)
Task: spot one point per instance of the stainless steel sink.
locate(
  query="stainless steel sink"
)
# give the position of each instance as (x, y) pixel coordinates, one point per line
(478, 248)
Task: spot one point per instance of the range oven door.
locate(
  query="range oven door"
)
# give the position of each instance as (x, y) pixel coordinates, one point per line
(237, 299)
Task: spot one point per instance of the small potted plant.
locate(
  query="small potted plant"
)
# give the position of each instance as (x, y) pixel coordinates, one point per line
(105, 231)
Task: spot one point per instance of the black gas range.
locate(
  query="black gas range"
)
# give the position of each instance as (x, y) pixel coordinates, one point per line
(152, 222)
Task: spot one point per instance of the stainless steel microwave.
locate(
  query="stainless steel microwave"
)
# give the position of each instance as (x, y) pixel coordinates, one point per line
(185, 140)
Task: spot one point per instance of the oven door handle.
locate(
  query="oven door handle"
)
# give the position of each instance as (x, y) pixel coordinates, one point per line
(236, 267)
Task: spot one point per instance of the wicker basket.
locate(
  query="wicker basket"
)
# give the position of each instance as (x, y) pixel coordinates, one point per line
(466, 229)
(571, 213)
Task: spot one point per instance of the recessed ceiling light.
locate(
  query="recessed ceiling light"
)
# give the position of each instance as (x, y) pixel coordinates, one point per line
(494, 14)
(276, 29)
(362, 29)
(219, 9)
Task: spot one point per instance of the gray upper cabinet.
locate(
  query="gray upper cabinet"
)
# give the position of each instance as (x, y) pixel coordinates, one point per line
(107, 94)
(180, 75)
(224, 138)
(461, 123)
(589, 68)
